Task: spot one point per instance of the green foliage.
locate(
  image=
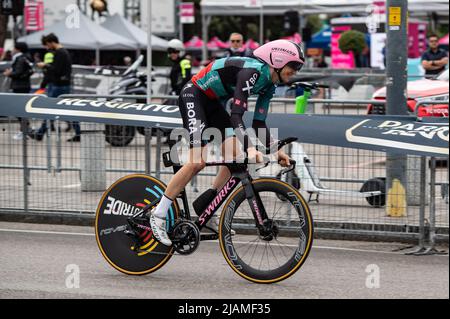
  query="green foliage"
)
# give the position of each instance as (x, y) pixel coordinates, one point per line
(352, 41)
(315, 23)
(442, 30)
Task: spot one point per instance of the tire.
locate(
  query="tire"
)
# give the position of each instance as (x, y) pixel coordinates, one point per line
(122, 199)
(119, 136)
(238, 216)
(373, 185)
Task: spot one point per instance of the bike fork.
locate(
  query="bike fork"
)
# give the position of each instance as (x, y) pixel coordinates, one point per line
(256, 204)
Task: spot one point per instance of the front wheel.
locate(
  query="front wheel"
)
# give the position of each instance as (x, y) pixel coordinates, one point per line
(271, 258)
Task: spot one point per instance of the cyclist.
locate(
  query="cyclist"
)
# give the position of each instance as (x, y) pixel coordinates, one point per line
(180, 73)
(201, 106)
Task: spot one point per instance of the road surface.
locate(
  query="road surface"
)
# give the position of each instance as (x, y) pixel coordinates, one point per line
(37, 261)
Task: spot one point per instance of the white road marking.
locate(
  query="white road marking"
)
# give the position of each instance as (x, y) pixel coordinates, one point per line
(27, 231)
(237, 242)
(72, 186)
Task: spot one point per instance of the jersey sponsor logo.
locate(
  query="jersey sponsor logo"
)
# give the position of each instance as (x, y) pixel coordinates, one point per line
(204, 86)
(248, 88)
(254, 78)
(194, 124)
(250, 84)
(189, 95)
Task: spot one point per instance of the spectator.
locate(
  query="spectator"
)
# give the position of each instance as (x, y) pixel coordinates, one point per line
(237, 46)
(181, 71)
(320, 62)
(127, 61)
(365, 57)
(37, 57)
(6, 56)
(59, 79)
(434, 60)
(20, 73)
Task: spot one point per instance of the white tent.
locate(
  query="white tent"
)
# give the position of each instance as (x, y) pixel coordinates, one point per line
(416, 8)
(273, 7)
(82, 35)
(119, 25)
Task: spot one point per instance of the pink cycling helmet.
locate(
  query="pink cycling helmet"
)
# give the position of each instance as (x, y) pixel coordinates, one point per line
(280, 53)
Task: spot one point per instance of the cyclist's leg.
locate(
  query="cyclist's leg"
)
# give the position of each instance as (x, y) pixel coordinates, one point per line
(193, 106)
(194, 120)
(230, 150)
(219, 119)
(179, 181)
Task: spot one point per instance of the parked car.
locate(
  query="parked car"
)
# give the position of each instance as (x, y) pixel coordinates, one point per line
(423, 90)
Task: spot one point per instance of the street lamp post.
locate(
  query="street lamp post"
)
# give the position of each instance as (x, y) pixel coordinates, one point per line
(396, 74)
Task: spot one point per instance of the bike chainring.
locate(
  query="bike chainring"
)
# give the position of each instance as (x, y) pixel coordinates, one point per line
(185, 237)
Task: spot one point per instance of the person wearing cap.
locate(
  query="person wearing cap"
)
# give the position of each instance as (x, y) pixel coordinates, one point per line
(181, 71)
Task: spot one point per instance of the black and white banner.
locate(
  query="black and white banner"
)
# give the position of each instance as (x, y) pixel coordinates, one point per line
(393, 134)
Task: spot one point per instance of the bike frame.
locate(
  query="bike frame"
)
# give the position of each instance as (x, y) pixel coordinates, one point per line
(239, 175)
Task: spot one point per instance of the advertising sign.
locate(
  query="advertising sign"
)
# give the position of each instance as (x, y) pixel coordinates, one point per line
(34, 15)
(187, 13)
(340, 60)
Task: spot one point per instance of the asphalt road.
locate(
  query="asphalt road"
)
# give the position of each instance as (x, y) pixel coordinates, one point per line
(34, 260)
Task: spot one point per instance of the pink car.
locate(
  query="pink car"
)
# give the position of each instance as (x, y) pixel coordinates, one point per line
(424, 90)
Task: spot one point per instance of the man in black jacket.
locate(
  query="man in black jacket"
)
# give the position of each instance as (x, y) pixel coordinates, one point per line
(20, 73)
(59, 74)
(21, 70)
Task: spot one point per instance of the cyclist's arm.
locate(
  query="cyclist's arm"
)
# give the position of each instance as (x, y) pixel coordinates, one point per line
(259, 119)
(246, 80)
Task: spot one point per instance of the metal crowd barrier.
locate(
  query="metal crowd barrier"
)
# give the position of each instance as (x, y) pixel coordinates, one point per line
(44, 177)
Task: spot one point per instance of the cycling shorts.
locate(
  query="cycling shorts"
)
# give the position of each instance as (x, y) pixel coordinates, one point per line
(199, 112)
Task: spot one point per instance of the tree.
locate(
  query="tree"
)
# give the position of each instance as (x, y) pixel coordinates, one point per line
(353, 41)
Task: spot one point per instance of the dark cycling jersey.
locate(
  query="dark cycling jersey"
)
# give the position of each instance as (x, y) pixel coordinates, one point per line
(239, 78)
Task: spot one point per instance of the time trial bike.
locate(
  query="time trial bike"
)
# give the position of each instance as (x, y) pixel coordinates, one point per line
(263, 239)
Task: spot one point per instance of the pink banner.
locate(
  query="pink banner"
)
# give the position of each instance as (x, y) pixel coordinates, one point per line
(380, 6)
(34, 15)
(187, 12)
(417, 39)
(340, 60)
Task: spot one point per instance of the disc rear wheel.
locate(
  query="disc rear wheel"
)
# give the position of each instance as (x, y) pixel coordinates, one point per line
(116, 241)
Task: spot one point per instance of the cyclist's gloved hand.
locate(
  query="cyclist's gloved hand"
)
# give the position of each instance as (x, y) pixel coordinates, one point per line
(283, 159)
(254, 155)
